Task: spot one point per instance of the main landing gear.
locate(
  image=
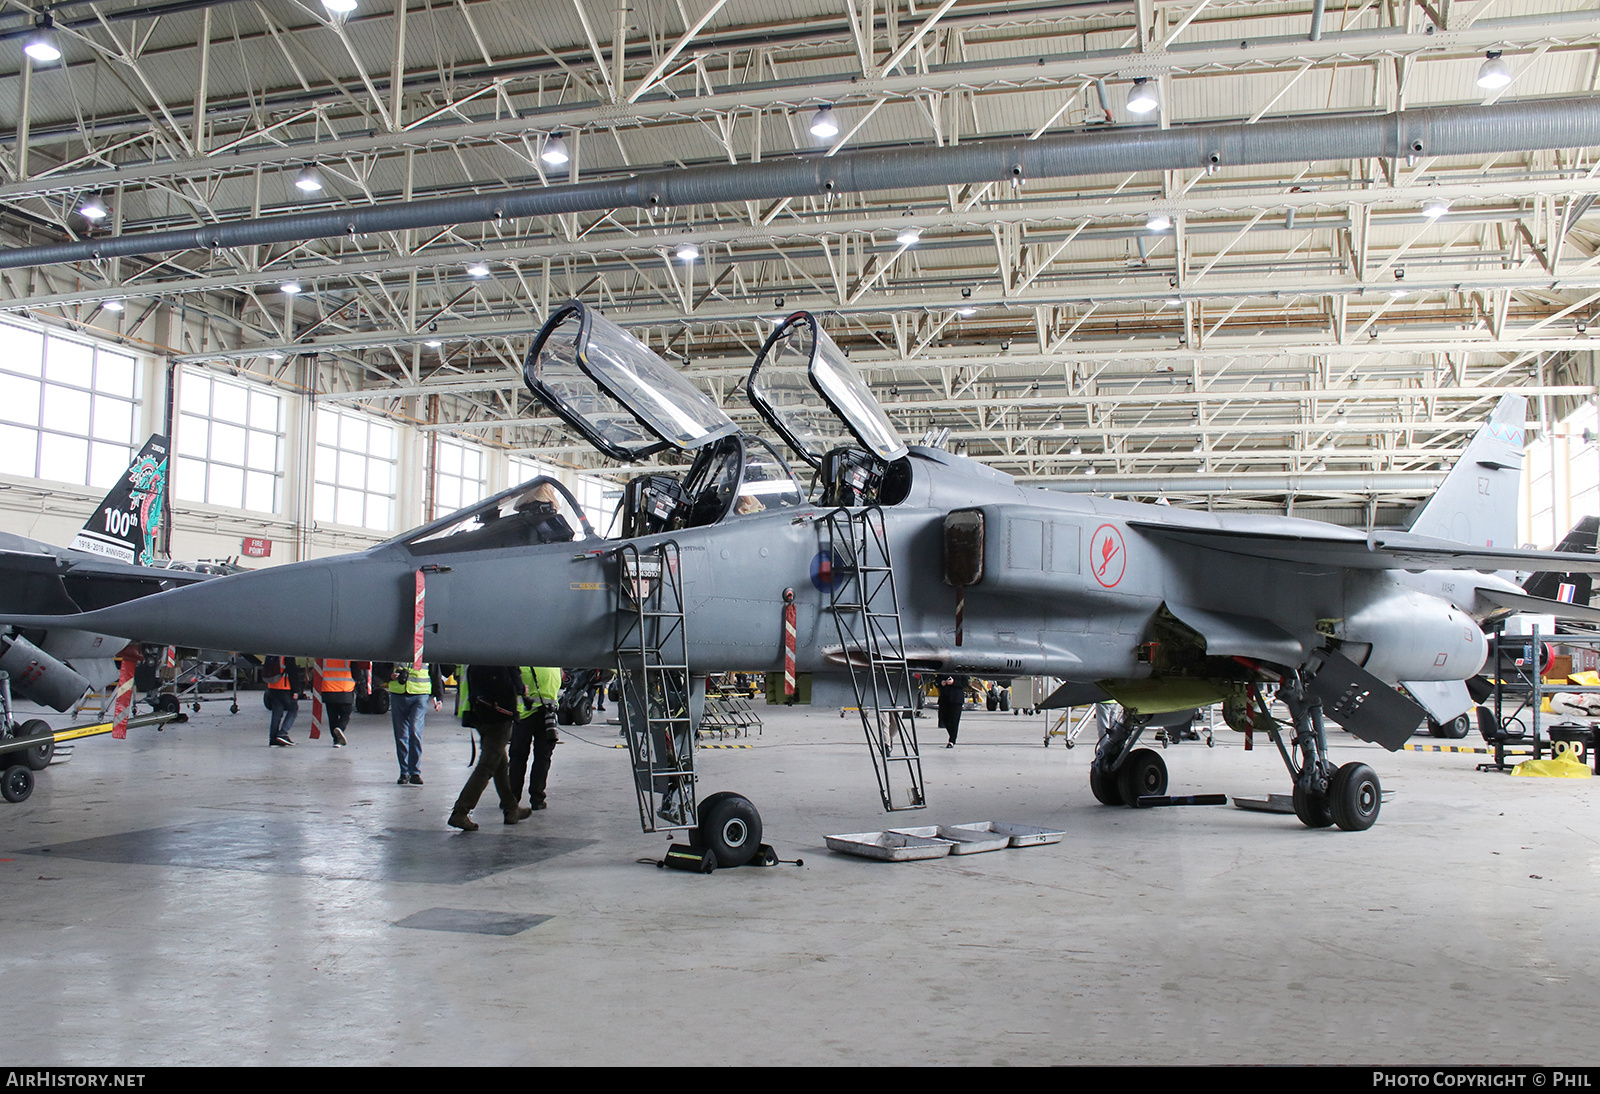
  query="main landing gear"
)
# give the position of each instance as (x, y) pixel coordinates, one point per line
(1120, 774)
(1348, 796)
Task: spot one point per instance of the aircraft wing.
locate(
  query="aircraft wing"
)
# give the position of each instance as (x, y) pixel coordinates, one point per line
(1374, 551)
(36, 584)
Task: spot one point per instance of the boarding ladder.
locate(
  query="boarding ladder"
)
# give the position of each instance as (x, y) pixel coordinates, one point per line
(653, 681)
(866, 610)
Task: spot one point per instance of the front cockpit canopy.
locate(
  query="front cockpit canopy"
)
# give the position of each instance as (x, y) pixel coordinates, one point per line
(540, 510)
(612, 389)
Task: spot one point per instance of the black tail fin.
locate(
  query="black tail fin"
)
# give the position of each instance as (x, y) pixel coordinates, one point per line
(1568, 588)
(125, 524)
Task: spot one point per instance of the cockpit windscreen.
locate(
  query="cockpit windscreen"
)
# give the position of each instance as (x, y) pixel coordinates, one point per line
(540, 510)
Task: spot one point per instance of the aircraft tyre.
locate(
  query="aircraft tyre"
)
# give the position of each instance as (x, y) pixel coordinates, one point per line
(1104, 787)
(1314, 810)
(1356, 796)
(1455, 729)
(38, 757)
(16, 783)
(730, 827)
(1144, 772)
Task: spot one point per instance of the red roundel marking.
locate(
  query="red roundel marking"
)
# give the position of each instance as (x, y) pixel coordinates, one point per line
(1108, 558)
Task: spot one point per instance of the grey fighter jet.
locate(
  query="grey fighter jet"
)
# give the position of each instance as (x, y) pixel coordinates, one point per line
(901, 559)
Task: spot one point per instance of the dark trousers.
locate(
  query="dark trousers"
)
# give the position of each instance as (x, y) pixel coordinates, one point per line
(950, 712)
(492, 737)
(530, 736)
(338, 710)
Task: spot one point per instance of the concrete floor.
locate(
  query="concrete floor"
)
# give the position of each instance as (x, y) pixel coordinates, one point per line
(194, 897)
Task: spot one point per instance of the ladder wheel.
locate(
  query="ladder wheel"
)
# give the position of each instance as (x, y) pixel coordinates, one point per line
(730, 826)
(38, 757)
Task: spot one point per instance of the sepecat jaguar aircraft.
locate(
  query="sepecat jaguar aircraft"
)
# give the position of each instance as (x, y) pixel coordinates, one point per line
(902, 559)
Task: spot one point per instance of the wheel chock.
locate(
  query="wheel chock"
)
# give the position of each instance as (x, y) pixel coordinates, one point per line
(694, 860)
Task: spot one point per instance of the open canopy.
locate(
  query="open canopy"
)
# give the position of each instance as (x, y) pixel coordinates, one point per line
(804, 387)
(611, 388)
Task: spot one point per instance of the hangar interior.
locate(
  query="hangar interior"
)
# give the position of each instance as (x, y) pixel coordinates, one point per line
(313, 240)
(1316, 336)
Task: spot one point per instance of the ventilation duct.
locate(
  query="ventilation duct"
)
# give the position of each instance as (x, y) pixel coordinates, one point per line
(1437, 131)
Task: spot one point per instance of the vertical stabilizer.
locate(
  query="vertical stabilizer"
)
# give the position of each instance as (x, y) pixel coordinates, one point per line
(1568, 588)
(1477, 502)
(125, 524)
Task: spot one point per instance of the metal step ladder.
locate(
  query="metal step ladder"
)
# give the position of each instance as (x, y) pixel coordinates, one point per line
(866, 610)
(656, 692)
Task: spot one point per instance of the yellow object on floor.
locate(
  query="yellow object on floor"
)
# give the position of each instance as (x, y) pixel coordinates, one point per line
(1567, 763)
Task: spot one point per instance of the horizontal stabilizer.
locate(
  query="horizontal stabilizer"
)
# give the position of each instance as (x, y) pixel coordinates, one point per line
(1538, 605)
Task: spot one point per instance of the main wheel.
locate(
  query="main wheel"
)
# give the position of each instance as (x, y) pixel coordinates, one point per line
(1457, 728)
(730, 827)
(1103, 787)
(1356, 796)
(1144, 772)
(1313, 809)
(16, 783)
(168, 704)
(38, 757)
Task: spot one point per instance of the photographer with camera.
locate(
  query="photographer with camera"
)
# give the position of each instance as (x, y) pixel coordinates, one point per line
(410, 688)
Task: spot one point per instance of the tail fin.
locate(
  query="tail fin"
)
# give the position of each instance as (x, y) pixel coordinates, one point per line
(1477, 502)
(1568, 588)
(125, 524)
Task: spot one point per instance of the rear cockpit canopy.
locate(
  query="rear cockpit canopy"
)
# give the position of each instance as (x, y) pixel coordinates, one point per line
(805, 388)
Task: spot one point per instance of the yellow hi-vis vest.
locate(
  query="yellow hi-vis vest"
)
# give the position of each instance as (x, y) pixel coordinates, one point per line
(542, 686)
(416, 682)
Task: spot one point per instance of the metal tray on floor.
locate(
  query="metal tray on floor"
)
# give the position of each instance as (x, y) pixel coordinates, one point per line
(889, 846)
(967, 839)
(1017, 835)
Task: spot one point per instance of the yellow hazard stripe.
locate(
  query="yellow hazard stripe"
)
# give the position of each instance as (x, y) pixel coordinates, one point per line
(727, 746)
(1461, 748)
(85, 731)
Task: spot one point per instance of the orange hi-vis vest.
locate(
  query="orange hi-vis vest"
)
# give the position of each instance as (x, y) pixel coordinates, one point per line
(336, 676)
(280, 682)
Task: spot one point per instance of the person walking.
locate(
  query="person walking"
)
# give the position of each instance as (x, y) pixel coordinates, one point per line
(285, 684)
(535, 732)
(952, 696)
(491, 697)
(410, 688)
(338, 697)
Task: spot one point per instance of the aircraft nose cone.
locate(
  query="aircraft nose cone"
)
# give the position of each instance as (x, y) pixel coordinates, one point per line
(322, 608)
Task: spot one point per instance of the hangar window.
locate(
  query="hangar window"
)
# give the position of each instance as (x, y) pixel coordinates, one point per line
(68, 407)
(460, 475)
(356, 458)
(229, 447)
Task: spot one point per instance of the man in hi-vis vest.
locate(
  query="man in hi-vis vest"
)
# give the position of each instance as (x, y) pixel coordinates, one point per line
(409, 691)
(535, 732)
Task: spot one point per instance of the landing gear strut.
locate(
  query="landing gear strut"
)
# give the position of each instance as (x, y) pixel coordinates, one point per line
(1350, 796)
(1120, 774)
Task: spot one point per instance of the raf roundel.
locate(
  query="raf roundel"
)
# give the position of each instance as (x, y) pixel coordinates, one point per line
(822, 570)
(1108, 558)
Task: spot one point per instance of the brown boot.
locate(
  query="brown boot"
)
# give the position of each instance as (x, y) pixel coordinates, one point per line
(518, 813)
(462, 820)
